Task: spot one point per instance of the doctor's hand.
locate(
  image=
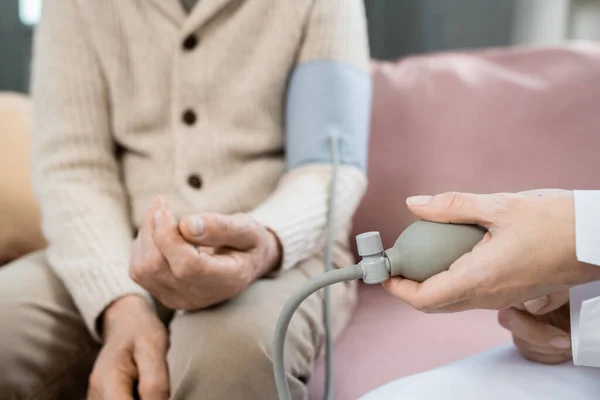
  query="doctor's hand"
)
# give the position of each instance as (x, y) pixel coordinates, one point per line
(528, 252)
(201, 261)
(541, 328)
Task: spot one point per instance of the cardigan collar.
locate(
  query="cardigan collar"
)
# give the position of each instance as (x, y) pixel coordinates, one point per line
(200, 14)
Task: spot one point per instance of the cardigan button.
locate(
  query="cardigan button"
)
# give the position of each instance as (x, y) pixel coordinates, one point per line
(189, 117)
(195, 181)
(190, 42)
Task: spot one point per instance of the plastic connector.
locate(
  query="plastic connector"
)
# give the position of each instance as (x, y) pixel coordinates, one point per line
(374, 263)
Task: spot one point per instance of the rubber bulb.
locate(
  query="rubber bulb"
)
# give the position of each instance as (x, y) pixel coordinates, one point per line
(427, 248)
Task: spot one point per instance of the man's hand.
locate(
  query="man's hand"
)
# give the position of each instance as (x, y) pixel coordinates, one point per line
(134, 353)
(541, 328)
(203, 260)
(528, 252)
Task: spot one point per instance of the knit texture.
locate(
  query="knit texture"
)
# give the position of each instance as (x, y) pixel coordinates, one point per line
(123, 74)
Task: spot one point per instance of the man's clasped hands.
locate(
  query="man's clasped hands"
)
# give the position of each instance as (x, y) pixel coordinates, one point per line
(199, 261)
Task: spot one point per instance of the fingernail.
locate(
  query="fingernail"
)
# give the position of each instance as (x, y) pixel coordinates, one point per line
(197, 226)
(158, 217)
(418, 200)
(560, 342)
(536, 305)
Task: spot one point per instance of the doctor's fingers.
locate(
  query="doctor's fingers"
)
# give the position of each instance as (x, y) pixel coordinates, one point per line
(545, 304)
(543, 355)
(464, 208)
(465, 286)
(528, 329)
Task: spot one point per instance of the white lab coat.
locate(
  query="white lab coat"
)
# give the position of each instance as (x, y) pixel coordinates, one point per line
(585, 299)
(501, 373)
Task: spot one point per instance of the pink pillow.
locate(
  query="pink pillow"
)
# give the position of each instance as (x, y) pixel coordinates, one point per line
(484, 121)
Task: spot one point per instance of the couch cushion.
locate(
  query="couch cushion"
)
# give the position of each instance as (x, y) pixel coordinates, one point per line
(20, 230)
(487, 121)
(387, 339)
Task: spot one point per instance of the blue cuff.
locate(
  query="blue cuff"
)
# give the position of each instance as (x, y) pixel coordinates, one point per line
(325, 99)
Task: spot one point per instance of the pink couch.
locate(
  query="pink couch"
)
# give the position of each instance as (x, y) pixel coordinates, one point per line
(487, 121)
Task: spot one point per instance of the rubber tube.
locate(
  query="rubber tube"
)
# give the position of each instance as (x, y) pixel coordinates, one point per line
(327, 312)
(351, 273)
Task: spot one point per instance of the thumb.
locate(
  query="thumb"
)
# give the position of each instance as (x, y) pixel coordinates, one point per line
(459, 208)
(218, 230)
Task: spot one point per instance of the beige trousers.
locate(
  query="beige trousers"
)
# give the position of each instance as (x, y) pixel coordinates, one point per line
(221, 353)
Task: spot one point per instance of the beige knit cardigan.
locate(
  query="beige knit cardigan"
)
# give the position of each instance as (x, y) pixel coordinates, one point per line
(195, 103)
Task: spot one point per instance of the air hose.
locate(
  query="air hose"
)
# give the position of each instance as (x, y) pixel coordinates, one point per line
(422, 250)
(327, 316)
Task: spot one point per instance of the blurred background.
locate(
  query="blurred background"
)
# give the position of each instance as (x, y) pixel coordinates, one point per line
(396, 27)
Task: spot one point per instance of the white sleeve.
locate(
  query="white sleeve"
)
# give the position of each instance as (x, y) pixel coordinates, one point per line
(585, 299)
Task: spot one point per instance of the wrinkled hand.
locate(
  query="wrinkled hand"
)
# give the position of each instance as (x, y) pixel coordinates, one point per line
(528, 252)
(134, 352)
(203, 260)
(541, 328)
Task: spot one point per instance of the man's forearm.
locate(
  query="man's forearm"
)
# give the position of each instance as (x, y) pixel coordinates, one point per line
(76, 176)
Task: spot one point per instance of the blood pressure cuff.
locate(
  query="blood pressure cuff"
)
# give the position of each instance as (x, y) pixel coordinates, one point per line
(325, 99)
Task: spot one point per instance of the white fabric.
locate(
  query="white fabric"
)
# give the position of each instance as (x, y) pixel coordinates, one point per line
(497, 374)
(587, 225)
(585, 299)
(501, 373)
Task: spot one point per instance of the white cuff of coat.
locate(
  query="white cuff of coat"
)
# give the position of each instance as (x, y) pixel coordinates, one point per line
(585, 299)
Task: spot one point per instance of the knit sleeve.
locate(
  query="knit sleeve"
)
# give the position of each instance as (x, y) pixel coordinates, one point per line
(76, 176)
(297, 210)
(336, 30)
(329, 95)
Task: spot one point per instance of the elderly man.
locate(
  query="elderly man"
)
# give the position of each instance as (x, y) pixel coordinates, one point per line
(205, 127)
